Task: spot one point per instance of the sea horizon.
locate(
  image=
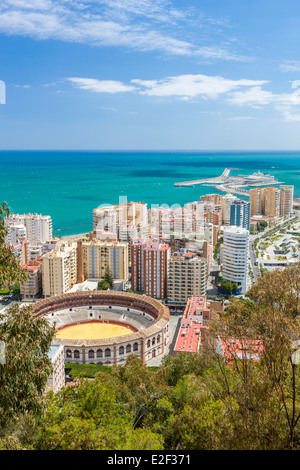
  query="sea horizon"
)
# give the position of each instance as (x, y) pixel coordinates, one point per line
(221, 151)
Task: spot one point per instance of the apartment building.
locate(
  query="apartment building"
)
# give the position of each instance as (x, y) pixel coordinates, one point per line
(265, 201)
(38, 227)
(226, 208)
(20, 251)
(286, 199)
(34, 250)
(213, 198)
(156, 256)
(128, 221)
(59, 269)
(187, 277)
(200, 246)
(33, 287)
(49, 245)
(149, 267)
(240, 213)
(166, 220)
(213, 217)
(113, 218)
(137, 263)
(235, 256)
(97, 255)
(15, 233)
(57, 378)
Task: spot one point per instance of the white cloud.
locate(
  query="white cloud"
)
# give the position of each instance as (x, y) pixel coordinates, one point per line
(192, 85)
(159, 10)
(100, 86)
(290, 66)
(288, 113)
(144, 25)
(295, 83)
(240, 118)
(242, 92)
(254, 96)
(28, 4)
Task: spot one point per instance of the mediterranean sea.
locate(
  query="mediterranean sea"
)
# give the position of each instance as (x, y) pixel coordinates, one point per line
(68, 185)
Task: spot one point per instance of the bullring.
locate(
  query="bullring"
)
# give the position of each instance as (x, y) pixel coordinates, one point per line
(147, 318)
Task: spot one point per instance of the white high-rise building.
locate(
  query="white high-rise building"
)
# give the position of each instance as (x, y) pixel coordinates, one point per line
(122, 217)
(235, 256)
(15, 232)
(57, 379)
(49, 245)
(34, 250)
(38, 227)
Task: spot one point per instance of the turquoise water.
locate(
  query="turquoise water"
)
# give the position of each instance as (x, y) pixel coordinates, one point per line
(68, 185)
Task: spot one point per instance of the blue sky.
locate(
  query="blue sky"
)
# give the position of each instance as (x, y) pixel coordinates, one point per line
(150, 74)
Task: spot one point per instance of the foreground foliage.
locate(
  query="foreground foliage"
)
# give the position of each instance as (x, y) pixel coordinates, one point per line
(192, 401)
(26, 366)
(10, 270)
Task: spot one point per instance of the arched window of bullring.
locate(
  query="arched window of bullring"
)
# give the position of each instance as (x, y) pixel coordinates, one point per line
(153, 341)
(107, 352)
(76, 354)
(135, 346)
(99, 353)
(91, 354)
(121, 350)
(69, 353)
(158, 339)
(128, 348)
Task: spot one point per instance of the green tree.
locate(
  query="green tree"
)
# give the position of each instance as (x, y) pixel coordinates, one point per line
(137, 386)
(107, 282)
(103, 285)
(10, 269)
(229, 287)
(26, 366)
(262, 397)
(86, 416)
(175, 368)
(199, 421)
(108, 276)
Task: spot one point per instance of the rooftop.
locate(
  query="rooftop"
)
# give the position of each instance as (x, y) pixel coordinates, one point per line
(54, 347)
(242, 349)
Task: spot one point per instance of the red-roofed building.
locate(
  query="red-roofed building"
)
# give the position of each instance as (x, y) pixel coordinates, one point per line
(242, 349)
(191, 327)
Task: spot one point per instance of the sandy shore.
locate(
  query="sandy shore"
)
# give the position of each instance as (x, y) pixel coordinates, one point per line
(75, 236)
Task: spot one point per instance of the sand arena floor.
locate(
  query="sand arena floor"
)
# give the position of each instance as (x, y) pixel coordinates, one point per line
(92, 331)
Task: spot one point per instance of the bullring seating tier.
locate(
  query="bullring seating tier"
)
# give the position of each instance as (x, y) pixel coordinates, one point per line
(133, 318)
